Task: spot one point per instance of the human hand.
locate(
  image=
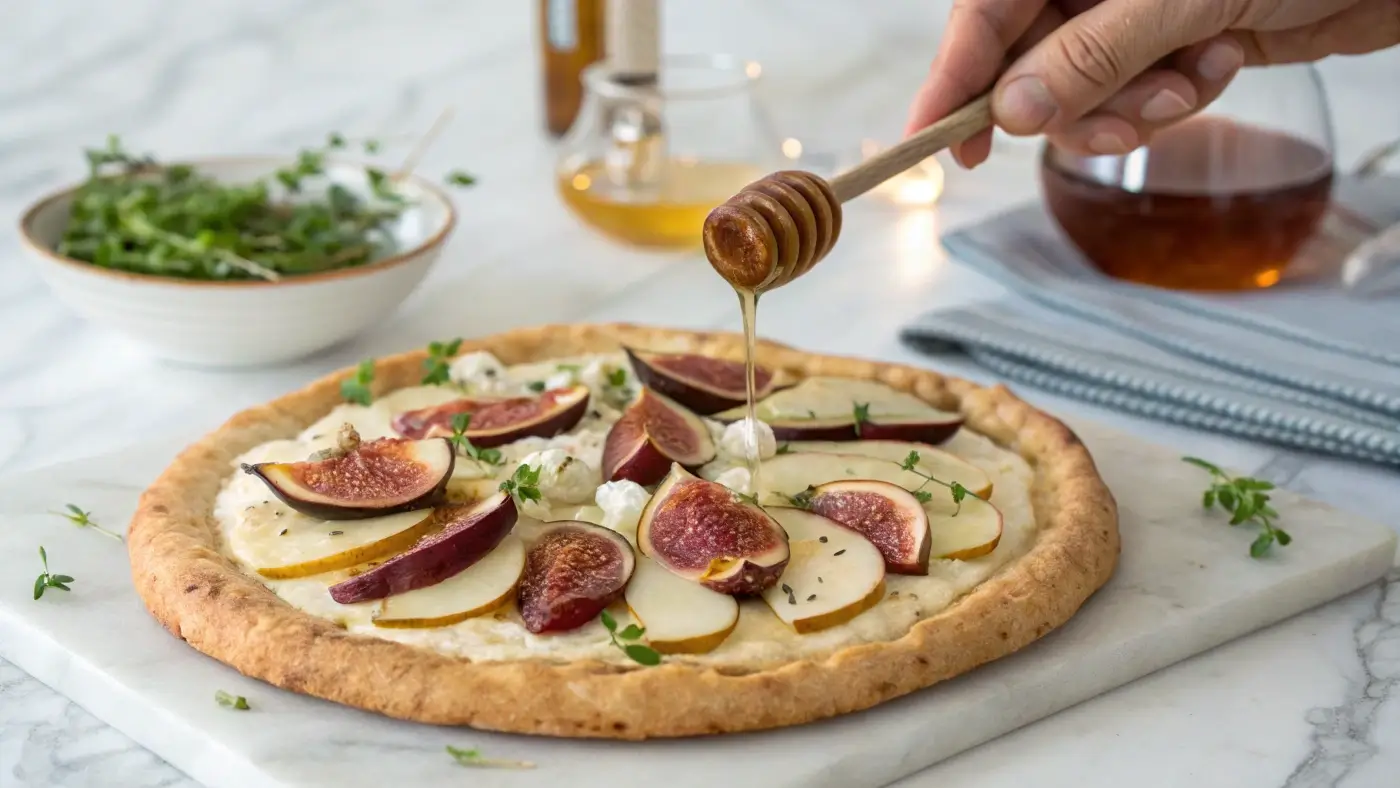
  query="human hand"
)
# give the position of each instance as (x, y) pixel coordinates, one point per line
(1100, 76)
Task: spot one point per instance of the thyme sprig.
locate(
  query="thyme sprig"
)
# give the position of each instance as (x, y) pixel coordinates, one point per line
(1247, 501)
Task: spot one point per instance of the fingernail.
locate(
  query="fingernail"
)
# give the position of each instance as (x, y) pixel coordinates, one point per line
(1025, 105)
(1107, 143)
(1220, 60)
(1165, 105)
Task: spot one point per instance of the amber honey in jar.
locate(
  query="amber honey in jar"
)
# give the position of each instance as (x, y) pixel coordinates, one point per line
(1217, 202)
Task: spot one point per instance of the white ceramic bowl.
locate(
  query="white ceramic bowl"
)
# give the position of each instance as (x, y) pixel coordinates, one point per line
(246, 323)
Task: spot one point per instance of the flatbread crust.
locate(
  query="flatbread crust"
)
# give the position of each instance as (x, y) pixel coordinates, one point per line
(200, 596)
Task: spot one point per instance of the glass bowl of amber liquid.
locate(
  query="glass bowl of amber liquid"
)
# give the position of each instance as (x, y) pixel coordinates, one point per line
(1227, 200)
(646, 161)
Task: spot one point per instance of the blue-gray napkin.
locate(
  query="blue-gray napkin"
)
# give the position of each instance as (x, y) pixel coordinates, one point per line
(1307, 366)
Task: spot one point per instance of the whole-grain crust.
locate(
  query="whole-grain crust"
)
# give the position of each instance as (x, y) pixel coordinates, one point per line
(200, 596)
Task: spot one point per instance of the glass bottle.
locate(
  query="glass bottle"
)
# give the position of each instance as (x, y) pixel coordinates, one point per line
(653, 187)
(571, 39)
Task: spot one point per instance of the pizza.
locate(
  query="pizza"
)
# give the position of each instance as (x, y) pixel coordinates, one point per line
(575, 530)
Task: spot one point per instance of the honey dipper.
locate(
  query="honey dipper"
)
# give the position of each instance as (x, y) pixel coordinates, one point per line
(776, 228)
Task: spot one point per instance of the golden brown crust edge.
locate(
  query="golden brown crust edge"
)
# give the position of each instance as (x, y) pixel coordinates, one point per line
(200, 596)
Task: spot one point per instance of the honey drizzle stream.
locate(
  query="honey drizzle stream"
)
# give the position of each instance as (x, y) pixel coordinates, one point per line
(748, 307)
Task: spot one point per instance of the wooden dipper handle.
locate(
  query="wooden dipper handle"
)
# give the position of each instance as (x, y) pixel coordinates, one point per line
(951, 130)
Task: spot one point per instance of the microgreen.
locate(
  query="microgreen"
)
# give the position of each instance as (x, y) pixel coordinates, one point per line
(617, 378)
(523, 484)
(473, 757)
(463, 444)
(436, 365)
(356, 388)
(460, 178)
(786, 448)
(803, 500)
(860, 411)
(235, 702)
(535, 385)
(959, 492)
(574, 368)
(751, 500)
(46, 580)
(1246, 500)
(84, 519)
(639, 653)
(136, 214)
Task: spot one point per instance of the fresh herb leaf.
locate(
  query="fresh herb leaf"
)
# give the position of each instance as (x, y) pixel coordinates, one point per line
(786, 448)
(45, 580)
(860, 411)
(335, 140)
(463, 445)
(436, 365)
(523, 484)
(574, 368)
(356, 388)
(959, 492)
(639, 653)
(535, 385)
(751, 500)
(1246, 500)
(460, 178)
(84, 519)
(237, 702)
(371, 146)
(474, 758)
(803, 500)
(617, 378)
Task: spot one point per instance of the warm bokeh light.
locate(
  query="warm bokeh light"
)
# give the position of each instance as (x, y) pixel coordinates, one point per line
(920, 185)
(753, 70)
(792, 148)
(581, 182)
(919, 256)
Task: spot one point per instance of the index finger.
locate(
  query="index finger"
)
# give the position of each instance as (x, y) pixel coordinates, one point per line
(975, 44)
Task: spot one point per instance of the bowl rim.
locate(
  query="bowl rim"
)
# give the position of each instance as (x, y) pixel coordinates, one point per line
(36, 246)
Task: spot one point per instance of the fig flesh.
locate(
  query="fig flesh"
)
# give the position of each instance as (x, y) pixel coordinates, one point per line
(886, 514)
(703, 384)
(705, 532)
(573, 571)
(468, 532)
(495, 422)
(374, 479)
(653, 433)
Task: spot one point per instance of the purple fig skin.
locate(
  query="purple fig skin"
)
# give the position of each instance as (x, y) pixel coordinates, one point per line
(597, 564)
(704, 397)
(930, 433)
(632, 451)
(323, 510)
(475, 531)
(498, 421)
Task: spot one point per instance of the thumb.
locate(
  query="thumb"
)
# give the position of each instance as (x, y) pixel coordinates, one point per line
(1095, 54)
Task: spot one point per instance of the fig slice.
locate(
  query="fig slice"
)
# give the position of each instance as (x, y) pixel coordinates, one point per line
(573, 571)
(886, 514)
(705, 532)
(826, 409)
(495, 422)
(468, 532)
(373, 479)
(704, 384)
(653, 433)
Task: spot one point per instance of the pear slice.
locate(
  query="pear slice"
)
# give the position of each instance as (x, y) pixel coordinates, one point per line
(680, 615)
(282, 546)
(834, 575)
(824, 408)
(934, 462)
(475, 591)
(973, 531)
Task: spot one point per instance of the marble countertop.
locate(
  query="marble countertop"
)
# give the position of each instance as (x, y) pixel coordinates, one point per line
(1302, 704)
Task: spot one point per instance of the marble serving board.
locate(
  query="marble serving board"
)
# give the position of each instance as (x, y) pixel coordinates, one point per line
(1184, 585)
